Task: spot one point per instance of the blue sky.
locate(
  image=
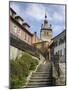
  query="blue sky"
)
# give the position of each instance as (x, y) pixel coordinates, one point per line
(34, 14)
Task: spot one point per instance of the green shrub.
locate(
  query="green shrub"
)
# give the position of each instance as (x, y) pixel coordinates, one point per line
(15, 68)
(26, 58)
(24, 67)
(29, 61)
(33, 64)
(20, 68)
(18, 74)
(16, 82)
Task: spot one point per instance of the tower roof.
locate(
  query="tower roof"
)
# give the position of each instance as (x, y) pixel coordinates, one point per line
(45, 16)
(45, 25)
(45, 21)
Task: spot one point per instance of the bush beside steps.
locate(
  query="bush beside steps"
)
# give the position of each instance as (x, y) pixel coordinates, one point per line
(20, 69)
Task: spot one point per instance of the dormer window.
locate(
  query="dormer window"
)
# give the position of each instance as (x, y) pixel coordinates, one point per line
(12, 13)
(19, 19)
(25, 25)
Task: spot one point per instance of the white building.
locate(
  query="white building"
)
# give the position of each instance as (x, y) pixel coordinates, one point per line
(60, 44)
(59, 49)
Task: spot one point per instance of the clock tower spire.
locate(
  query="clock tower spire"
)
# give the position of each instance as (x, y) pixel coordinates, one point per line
(46, 31)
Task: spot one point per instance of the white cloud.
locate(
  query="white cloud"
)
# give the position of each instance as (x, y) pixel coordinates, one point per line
(57, 29)
(15, 7)
(36, 11)
(59, 16)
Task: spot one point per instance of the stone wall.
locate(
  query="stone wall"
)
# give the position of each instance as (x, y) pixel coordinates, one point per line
(61, 79)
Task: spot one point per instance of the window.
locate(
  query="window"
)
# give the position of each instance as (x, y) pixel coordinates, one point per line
(60, 53)
(15, 29)
(55, 43)
(46, 33)
(28, 38)
(50, 34)
(56, 53)
(25, 36)
(61, 41)
(19, 32)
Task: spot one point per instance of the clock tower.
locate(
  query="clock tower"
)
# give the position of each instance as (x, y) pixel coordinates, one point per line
(46, 31)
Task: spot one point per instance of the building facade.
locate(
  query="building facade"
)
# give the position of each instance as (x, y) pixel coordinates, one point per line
(59, 57)
(22, 40)
(20, 30)
(59, 46)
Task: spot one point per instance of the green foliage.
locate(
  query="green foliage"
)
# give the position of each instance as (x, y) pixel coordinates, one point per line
(14, 67)
(20, 68)
(34, 62)
(30, 61)
(15, 82)
(27, 59)
(24, 67)
(16, 74)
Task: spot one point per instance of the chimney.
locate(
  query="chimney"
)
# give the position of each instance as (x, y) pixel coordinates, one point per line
(35, 33)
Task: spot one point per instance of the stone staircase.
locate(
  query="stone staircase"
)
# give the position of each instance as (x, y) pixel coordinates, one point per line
(42, 77)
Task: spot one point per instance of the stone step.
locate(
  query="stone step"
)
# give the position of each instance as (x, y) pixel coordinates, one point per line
(41, 72)
(41, 75)
(40, 80)
(39, 83)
